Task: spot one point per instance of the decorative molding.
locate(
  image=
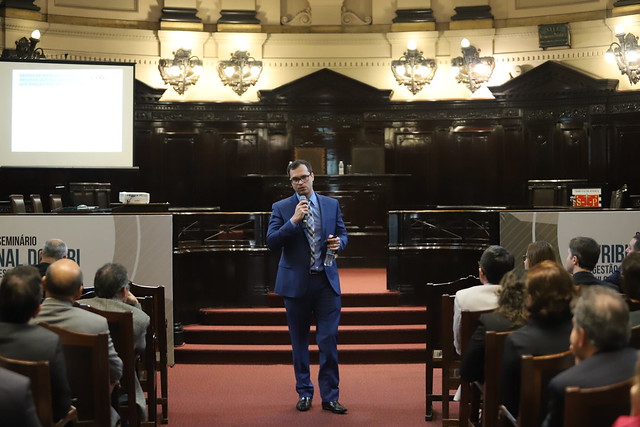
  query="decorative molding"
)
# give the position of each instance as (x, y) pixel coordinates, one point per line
(621, 3)
(466, 13)
(581, 113)
(19, 4)
(179, 18)
(320, 118)
(349, 17)
(300, 19)
(626, 107)
(238, 17)
(413, 15)
(111, 5)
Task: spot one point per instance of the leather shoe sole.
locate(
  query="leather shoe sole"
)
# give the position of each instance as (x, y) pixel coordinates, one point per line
(334, 406)
(304, 404)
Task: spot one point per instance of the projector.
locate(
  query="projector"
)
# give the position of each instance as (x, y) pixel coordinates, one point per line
(133, 197)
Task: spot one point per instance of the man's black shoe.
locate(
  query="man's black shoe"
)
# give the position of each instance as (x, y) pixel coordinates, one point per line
(334, 406)
(304, 404)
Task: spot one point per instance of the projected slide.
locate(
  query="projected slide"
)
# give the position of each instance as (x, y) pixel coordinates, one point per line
(66, 114)
(65, 93)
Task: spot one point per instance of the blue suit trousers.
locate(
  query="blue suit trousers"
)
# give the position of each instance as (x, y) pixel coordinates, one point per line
(323, 302)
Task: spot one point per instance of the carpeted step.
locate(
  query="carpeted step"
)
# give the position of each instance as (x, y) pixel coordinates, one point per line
(350, 316)
(279, 335)
(281, 354)
(353, 299)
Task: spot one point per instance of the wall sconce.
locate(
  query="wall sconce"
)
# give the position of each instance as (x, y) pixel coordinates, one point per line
(625, 54)
(412, 69)
(240, 72)
(470, 68)
(182, 71)
(26, 48)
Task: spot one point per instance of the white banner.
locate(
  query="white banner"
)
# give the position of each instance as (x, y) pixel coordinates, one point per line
(142, 243)
(611, 229)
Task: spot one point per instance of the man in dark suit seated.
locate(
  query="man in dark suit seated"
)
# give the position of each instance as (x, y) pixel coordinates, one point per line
(599, 341)
(20, 294)
(630, 283)
(582, 257)
(16, 401)
(633, 246)
(111, 285)
(63, 285)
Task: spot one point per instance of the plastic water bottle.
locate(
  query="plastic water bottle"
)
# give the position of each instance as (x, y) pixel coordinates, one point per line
(328, 259)
(341, 168)
(330, 256)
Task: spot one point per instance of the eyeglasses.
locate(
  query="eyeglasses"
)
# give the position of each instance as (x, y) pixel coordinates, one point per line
(524, 257)
(299, 179)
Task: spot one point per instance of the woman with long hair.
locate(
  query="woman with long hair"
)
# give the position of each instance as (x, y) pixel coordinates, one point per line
(550, 290)
(511, 314)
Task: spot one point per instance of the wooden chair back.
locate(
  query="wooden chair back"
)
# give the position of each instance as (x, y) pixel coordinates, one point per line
(17, 203)
(491, 396)
(146, 368)
(599, 406)
(634, 340)
(158, 327)
(536, 372)
(38, 373)
(36, 203)
(450, 358)
(121, 331)
(87, 360)
(468, 325)
(433, 295)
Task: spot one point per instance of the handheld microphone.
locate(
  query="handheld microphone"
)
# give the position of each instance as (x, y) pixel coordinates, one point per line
(303, 198)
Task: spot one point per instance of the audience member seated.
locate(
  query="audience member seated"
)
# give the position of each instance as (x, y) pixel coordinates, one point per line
(632, 420)
(16, 401)
(494, 263)
(599, 341)
(582, 257)
(111, 286)
(537, 252)
(510, 314)
(20, 295)
(52, 251)
(633, 246)
(630, 283)
(62, 286)
(550, 290)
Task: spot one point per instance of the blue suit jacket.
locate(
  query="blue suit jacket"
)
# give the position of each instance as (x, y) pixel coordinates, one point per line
(293, 269)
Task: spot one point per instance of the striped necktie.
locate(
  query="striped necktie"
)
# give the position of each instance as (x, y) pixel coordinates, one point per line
(309, 225)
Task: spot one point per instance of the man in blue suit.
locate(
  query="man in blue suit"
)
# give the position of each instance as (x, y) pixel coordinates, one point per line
(304, 226)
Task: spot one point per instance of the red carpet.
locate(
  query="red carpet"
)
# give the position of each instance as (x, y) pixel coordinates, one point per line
(363, 280)
(264, 395)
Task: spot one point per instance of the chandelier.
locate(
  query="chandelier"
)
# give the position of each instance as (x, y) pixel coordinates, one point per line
(625, 54)
(470, 68)
(182, 71)
(240, 72)
(412, 69)
(26, 48)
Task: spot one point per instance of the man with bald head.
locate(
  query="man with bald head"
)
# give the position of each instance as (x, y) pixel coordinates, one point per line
(63, 285)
